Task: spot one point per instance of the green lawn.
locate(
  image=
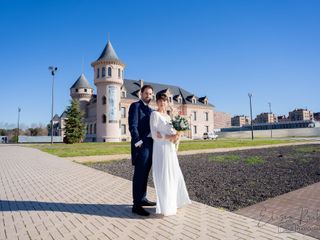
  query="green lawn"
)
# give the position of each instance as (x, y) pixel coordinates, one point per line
(91, 149)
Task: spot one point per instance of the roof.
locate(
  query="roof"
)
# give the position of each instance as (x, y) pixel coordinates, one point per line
(81, 82)
(133, 86)
(56, 117)
(108, 54)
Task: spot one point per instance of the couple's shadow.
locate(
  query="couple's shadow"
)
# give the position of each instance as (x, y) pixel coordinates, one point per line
(105, 210)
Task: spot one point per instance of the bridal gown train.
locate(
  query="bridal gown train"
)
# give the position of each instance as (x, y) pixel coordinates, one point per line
(167, 176)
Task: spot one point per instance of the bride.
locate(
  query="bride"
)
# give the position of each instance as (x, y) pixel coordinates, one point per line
(167, 176)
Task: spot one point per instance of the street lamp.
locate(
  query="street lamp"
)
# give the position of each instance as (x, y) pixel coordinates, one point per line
(19, 110)
(52, 69)
(270, 116)
(250, 96)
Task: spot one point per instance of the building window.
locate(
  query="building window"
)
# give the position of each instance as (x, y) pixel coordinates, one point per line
(85, 90)
(206, 116)
(194, 116)
(77, 90)
(194, 100)
(98, 72)
(170, 99)
(104, 118)
(109, 71)
(103, 74)
(194, 129)
(90, 129)
(87, 129)
(123, 112)
(104, 100)
(95, 129)
(179, 100)
(123, 94)
(207, 128)
(123, 129)
(119, 73)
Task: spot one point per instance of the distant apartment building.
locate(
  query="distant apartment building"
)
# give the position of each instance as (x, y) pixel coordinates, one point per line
(282, 118)
(221, 120)
(239, 120)
(265, 118)
(316, 116)
(300, 114)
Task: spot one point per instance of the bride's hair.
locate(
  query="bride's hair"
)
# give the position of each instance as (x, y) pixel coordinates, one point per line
(161, 96)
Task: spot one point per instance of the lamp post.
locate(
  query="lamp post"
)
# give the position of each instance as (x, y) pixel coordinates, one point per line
(18, 133)
(250, 96)
(271, 120)
(52, 69)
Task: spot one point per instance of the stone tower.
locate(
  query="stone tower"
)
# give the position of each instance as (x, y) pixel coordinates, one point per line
(108, 78)
(81, 91)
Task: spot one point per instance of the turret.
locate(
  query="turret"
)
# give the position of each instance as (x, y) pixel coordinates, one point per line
(108, 78)
(81, 91)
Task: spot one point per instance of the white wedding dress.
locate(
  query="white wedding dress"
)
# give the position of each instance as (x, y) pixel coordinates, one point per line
(167, 176)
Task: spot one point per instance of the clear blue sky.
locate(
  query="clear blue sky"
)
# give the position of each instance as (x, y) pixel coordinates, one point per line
(222, 49)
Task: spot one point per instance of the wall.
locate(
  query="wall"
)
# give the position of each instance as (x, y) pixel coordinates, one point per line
(293, 132)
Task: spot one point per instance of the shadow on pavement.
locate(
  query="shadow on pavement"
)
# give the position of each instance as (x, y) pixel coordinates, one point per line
(105, 210)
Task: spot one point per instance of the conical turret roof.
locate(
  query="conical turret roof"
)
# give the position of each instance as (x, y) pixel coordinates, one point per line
(81, 82)
(109, 54)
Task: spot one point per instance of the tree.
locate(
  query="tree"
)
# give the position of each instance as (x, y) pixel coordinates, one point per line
(74, 128)
(3, 132)
(38, 131)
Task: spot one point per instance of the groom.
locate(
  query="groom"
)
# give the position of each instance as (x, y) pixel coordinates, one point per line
(141, 149)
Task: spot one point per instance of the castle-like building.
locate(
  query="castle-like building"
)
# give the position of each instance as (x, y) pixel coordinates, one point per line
(106, 112)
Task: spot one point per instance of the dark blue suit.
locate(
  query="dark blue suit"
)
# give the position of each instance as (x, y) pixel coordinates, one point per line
(139, 126)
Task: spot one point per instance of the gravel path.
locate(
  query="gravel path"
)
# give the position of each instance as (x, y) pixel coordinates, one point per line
(237, 179)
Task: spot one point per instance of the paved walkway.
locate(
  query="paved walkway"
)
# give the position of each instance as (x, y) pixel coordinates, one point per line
(101, 158)
(47, 197)
(296, 211)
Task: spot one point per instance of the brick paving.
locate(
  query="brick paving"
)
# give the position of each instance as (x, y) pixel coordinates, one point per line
(47, 197)
(298, 210)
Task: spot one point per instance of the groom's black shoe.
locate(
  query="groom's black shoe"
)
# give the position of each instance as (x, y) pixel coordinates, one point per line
(148, 203)
(140, 211)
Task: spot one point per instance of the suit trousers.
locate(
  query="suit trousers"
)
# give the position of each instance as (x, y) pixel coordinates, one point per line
(142, 168)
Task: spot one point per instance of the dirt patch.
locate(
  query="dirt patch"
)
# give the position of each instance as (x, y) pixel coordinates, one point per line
(237, 179)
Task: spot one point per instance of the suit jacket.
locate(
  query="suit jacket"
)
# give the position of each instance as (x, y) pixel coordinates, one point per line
(139, 126)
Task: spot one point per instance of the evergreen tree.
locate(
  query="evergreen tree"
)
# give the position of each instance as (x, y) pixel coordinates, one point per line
(74, 128)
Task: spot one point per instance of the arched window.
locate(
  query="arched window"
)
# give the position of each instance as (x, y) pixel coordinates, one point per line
(119, 73)
(104, 118)
(109, 71)
(95, 129)
(103, 72)
(98, 72)
(104, 100)
(90, 129)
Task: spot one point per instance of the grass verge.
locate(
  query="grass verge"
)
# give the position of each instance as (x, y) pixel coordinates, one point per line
(93, 149)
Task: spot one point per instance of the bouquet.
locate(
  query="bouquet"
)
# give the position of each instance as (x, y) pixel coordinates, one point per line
(180, 124)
